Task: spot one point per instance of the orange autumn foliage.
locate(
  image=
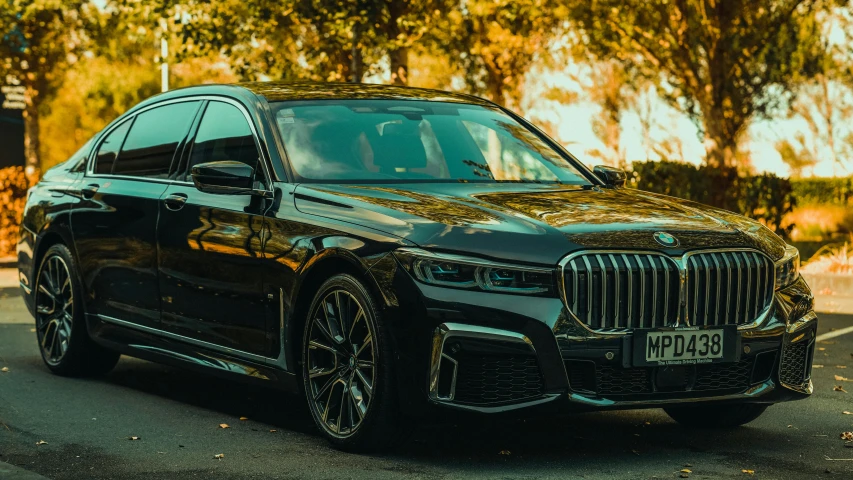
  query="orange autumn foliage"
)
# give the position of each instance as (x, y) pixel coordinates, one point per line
(13, 193)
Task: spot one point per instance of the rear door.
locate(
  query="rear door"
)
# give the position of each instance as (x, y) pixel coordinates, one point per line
(211, 278)
(114, 228)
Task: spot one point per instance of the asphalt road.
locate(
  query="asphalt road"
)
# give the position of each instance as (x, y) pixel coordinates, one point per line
(176, 415)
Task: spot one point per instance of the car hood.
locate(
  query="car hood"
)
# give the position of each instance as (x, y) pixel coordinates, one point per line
(531, 223)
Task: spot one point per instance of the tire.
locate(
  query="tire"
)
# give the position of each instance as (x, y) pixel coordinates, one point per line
(347, 369)
(63, 338)
(717, 416)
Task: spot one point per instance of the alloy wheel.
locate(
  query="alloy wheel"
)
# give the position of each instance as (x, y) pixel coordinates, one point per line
(54, 309)
(341, 362)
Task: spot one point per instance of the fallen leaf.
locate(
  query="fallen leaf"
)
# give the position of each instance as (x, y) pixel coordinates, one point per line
(821, 349)
(32, 330)
(4, 369)
(748, 472)
(841, 366)
(223, 425)
(219, 456)
(847, 436)
(635, 452)
(243, 419)
(845, 412)
(504, 452)
(41, 442)
(273, 431)
(839, 388)
(839, 378)
(826, 342)
(686, 470)
(817, 366)
(133, 438)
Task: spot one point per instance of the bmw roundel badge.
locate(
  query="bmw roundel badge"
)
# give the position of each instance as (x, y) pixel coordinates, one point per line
(666, 239)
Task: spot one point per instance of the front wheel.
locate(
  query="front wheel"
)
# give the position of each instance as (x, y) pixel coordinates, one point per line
(716, 416)
(60, 324)
(347, 368)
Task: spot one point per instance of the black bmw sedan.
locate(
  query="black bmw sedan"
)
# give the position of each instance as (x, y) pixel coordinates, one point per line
(394, 253)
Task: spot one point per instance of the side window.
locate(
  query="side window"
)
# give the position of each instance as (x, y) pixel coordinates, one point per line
(224, 134)
(77, 162)
(108, 151)
(153, 139)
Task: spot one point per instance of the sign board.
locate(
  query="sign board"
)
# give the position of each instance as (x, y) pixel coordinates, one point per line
(11, 123)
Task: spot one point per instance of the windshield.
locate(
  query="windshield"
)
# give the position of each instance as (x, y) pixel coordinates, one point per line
(405, 140)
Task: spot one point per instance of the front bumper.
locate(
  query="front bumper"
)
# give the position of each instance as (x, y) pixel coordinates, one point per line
(495, 353)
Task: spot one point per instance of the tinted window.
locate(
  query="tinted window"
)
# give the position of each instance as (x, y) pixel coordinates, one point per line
(109, 148)
(224, 134)
(77, 162)
(393, 140)
(153, 139)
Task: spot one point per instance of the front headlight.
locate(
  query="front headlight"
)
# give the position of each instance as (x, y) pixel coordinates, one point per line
(788, 268)
(456, 271)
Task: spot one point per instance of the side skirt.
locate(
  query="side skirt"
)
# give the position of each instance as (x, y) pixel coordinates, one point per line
(170, 349)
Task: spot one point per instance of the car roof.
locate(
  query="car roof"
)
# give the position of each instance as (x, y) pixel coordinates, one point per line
(283, 91)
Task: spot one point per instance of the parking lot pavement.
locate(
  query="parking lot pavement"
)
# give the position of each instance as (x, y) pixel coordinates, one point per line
(87, 425)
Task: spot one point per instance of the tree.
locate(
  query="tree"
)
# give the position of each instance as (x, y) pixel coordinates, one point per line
(497, 42)
(796, 154)
(720, 62)
(824, 102)
(612, 91)
(39, 40)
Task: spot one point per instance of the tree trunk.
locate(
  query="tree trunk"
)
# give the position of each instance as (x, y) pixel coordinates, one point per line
(720, 146)
(31, 132)
(357, 65)
(400, 66)
(398, 54)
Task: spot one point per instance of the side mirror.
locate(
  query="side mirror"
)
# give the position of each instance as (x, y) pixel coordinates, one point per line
(611, 176)
(224, 177)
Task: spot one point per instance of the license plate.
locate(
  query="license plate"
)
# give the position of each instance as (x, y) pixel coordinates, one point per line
(684, 347)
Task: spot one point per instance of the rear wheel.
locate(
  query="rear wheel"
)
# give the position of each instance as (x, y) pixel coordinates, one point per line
(60, 324)
(348, 370)
(716, 416)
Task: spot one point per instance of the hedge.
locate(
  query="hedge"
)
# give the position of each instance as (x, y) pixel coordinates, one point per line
(766, 197)
(13, 192)
(824, 191)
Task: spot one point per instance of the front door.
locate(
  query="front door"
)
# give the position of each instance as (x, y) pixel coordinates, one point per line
(115, 223)
(211, 282)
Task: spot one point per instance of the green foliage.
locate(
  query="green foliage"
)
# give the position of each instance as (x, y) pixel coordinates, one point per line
(720, 62)
(766, 197)
(824, 191)
(497, 41)
(39, 39)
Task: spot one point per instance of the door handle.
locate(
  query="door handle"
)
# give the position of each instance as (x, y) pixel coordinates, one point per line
(89, 191)
(175, 201)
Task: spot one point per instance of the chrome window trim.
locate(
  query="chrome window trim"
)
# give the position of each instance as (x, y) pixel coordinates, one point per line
(450, 330)
(681, 263)
(262, 161)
